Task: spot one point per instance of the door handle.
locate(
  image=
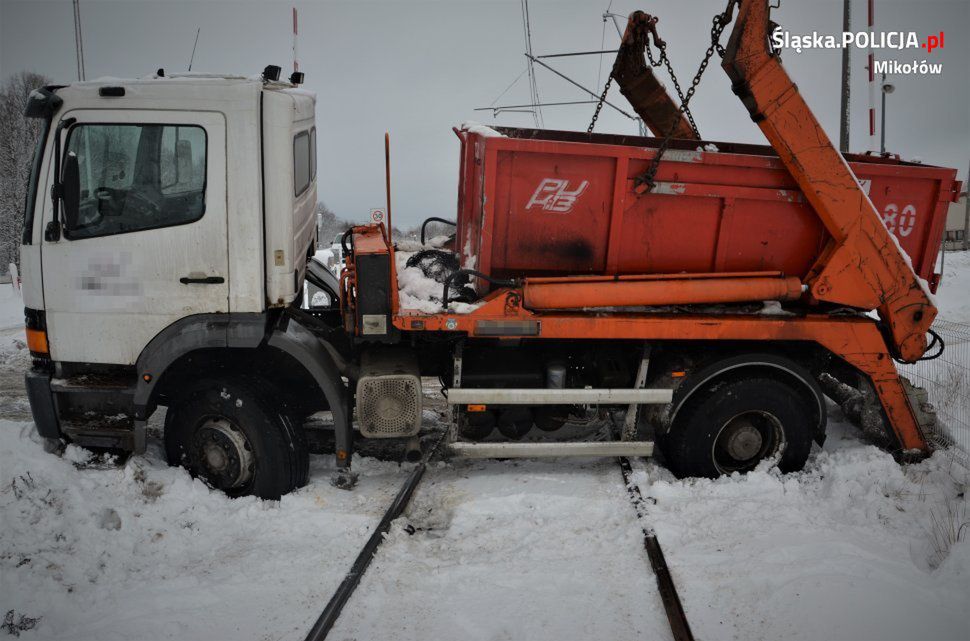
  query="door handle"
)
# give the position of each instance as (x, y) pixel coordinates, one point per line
(205, 280)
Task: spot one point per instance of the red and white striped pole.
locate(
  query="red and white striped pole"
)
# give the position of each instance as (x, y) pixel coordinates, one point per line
(873, 143)
(296, 61)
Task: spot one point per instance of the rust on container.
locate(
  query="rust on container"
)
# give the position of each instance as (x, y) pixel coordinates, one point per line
(547, 203)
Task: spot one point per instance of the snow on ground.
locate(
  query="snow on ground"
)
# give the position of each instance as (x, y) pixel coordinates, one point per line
(953, 296)
(531, 549)
(947, 379)
(840, 550)
(104, 550)
(14, 357)
(506, 550)
(11, 308)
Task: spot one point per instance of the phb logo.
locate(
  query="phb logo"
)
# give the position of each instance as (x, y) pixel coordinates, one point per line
(553, 194)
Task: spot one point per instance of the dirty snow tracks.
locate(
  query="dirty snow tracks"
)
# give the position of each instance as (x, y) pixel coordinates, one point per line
(528, 549)
(142, 551)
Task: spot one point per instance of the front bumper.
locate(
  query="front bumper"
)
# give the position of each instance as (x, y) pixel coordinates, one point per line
(42, 404)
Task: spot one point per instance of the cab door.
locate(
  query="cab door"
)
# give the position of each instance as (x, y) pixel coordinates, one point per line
(149, 244)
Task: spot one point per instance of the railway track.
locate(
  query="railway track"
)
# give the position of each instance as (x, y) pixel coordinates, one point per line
(676, 617)
(345, 590)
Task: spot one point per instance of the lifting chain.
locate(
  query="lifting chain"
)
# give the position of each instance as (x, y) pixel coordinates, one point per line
(599, 105)
(664, 60)
(720, 21)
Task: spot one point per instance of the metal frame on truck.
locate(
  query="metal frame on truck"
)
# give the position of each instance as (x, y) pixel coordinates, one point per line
(670, 341)
(858, 264)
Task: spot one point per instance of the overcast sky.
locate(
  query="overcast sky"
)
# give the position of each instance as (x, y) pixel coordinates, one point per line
(418, 68)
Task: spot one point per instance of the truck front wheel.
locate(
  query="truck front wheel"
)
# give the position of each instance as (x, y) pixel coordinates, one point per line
(734, 425)
(230, 435)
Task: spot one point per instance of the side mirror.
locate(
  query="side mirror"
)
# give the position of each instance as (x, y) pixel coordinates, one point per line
(71, 191)
(320, 300)
(42, 103)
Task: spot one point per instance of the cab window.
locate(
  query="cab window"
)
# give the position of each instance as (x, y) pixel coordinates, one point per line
(302, 167)
(313, 153)
(137, 177)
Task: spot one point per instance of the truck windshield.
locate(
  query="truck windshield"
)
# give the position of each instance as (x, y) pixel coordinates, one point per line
(136, 177)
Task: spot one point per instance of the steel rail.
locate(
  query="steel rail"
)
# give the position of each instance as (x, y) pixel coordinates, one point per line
(665, 583)
(328, 618)
(673, 608)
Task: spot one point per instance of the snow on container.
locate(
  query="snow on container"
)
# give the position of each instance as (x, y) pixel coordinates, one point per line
(537, 202)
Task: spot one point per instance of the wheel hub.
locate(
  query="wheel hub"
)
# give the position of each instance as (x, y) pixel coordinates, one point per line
(747, 439)
(744, 442)
(222, 454)
(216, 458)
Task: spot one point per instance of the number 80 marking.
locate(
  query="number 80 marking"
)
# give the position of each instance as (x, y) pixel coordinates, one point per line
(898, 222)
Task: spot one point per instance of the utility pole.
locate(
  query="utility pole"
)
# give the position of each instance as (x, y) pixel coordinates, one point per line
(886, 88)
(966, 217)
(846, 74)
(872, 79)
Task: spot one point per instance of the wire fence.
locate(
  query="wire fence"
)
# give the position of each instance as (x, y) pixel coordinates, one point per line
(947, 381)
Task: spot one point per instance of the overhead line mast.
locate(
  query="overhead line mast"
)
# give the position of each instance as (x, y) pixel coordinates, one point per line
(533, 85)
(873, 143)
(846, 80)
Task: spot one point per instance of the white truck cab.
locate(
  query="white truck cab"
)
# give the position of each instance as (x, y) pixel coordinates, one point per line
(166, 216)
(175, 176)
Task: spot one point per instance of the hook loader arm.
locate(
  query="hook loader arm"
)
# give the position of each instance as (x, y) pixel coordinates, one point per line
(863, 265)
(640, 86)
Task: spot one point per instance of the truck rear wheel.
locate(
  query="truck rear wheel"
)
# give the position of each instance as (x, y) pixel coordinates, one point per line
(734, 425)
(229, 434)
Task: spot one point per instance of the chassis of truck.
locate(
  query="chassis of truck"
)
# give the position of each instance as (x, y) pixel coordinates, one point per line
(170, 220)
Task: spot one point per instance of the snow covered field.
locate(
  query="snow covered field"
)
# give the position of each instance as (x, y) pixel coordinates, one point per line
(537, 550)
(100, 550)
(953, 298)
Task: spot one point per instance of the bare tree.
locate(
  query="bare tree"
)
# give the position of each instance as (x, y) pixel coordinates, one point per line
(18, 138)
(329, 225)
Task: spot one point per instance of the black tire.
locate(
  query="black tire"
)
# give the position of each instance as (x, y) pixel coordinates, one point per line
(230, 433)
(734, 425)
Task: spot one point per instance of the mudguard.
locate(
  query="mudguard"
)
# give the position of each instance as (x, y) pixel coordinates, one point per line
(784, 366)
(291, 337)
(201, 331)
(249, 331)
